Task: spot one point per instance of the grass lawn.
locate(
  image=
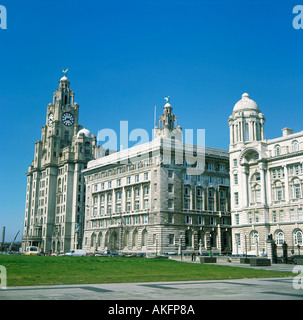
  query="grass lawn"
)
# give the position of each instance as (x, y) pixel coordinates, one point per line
(50, 270)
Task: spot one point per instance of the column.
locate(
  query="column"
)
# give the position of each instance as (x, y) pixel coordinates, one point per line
(245, 187)
(286, 183)
(262, 168)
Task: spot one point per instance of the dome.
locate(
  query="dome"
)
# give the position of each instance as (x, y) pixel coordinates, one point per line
(64, 78)
(246, 104)
(167, 105)
(86, 133)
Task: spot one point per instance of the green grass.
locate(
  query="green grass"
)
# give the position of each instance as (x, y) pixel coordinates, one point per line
(36, 270)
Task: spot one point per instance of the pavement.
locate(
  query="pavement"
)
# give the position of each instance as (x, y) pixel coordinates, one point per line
(290, 288)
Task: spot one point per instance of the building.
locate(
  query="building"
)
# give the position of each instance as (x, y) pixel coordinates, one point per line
(266, 183)
(156, 198)
(55, 197)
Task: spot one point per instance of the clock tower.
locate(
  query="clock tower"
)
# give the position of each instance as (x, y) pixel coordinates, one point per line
(55, 199)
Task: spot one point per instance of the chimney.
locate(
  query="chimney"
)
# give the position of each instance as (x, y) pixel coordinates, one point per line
(287, 132)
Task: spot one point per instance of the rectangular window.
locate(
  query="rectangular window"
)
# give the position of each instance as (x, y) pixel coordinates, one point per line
(237, 218)
(236, 195)
(137, 205)
(235, 162)
(145, 219)
(235, 178)
(274, 216)
(171, 238)
(146, 204)
(170, 188)
(188, 220)
(186, 204)
(200, 220)
(170, 204)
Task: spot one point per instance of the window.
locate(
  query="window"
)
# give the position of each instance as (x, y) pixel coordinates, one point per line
(295, 146)
(170, 204)
(170, 188)
(146, 175)
(249, 217)
(279, 193)
(274, 216)
(137, 205)
(171, 239)
(237, 239)
(235, 162)
(146, 204)
(237, 218)
(118, 207)
(246, 132)
(128, 180)
(292, 214)
(128, 207)
(258, 195)
(186, 204)
(298, 238)
(200, 220)
(235, 178)
(212, 221)
(277, 150)
(188, 220)
(187, 191)
(137, 178)
(119, 195)
(170, 218)
(145, 219)
(297, 189)
(279, 238)
(146, 190)
(236, 196)
(170, 173)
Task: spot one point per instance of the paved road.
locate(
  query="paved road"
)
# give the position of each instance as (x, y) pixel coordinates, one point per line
(244, 289)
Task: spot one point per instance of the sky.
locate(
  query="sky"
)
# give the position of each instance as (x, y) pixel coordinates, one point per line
(124, 57)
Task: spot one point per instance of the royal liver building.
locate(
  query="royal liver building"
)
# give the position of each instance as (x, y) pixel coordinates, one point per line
(55, 197)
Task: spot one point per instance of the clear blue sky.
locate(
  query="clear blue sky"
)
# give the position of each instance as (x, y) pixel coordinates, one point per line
(124, 57)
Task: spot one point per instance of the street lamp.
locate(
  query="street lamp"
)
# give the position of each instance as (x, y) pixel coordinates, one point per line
(245, 244)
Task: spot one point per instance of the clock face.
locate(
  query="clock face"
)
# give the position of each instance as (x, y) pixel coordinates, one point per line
(67, 119)
(50, 119)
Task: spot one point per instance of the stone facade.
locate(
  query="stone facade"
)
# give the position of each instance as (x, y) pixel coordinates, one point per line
(55, 197)
(148, 199)
(266, 183)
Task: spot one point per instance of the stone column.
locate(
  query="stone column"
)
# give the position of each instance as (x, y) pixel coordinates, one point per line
(262, 168)
(286, 183)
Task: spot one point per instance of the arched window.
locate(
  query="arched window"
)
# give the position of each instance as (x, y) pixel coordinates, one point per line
(144, 238)
(295, 146)
(126, 239)
(298, 238)
(188, 239)
(99, 239)
(279, 238)
(277, 150)
(135, 238)
(93, 240)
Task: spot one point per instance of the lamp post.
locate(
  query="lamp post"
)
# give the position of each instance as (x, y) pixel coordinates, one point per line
(245, 245)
